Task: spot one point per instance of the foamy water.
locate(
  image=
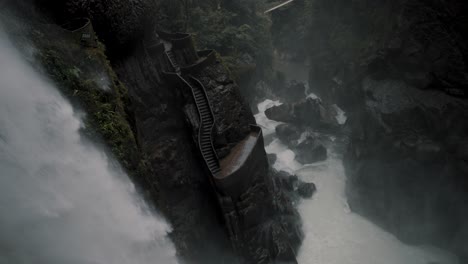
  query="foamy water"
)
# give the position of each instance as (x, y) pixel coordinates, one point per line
(333, 234)
(63, 200)
(268, 126)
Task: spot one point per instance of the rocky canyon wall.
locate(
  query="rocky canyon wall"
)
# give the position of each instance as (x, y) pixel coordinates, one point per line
(148, 123)
(399, 69)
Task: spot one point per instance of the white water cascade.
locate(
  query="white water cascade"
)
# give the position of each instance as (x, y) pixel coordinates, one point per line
(62, 199)
(334, 234)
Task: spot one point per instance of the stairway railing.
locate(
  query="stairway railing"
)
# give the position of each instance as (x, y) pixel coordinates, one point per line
(216, 170)
(213, 125)
(203, 123)
(171, 57)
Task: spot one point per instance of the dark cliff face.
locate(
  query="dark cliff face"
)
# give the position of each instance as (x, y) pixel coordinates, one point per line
(163, 133)
(237, 30)
(119, 24)
(406, 163)
(149, 124)
(232, 114)
(420, 42)
(399, 69)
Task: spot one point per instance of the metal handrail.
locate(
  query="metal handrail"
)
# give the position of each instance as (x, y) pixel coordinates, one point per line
(202, 121)
(211, 112)
(173, 64)
(202, 87)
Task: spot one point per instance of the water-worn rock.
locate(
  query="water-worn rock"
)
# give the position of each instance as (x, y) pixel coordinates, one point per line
(409, 141)
(306, 112)
(383, 63)
(292, 92)
(306, 189)
(232, 113)
(271, 158)
(285, 181)
(310, 151)
(287, 133)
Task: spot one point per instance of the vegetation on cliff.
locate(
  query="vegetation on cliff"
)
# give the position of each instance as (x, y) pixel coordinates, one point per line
(86, 78)
(238, 30)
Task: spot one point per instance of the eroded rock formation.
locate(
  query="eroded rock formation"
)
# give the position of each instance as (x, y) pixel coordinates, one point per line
(150, 124)
(305, 112)
(399, 69)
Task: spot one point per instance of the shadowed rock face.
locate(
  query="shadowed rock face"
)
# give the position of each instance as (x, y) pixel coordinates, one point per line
(310, 151)
(292, 92)
(407, 163)
(305, 112)
(287, 133)
(119, 23)
(399, 69)
(160, 119)
(165, 135)
(166, 123)
(232, 114)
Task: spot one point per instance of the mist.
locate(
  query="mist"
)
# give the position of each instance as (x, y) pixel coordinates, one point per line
(63, 199)
(362, 104)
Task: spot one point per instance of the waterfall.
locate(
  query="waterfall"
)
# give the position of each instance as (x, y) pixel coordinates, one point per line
(63, 199)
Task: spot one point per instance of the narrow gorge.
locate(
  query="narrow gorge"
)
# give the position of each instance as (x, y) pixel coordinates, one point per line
(260, 131)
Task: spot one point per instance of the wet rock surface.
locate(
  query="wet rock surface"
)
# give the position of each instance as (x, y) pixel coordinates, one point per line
(260, 227)
(165, 125)
(292, 92)
(306, 190)
(162, 122)
(292, 186)
(120, 24)
(271, 158)
(287, 133)
(310, 151)
(232, 113)
(306, 112)
(403, 80)
(405, 142)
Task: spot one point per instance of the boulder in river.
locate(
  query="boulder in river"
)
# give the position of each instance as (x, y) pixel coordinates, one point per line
(281, 113)
(310, 151)
(287, 133)
(306, 189)
(309, 111)
(271, 158)
(293, 91)
(292, 186)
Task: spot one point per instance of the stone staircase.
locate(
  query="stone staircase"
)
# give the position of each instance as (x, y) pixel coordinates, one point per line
(207, 120)
(173, 61)
(207, 123)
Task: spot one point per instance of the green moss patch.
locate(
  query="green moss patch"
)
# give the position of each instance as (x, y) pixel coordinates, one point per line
(85, 76)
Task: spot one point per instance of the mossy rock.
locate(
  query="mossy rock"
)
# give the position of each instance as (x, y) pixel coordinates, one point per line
(85, 77)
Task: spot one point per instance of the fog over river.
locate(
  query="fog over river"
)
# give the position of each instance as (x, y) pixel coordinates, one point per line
(334, 234)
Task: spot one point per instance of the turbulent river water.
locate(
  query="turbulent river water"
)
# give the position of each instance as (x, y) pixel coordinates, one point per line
(334, 234)
(62, 199)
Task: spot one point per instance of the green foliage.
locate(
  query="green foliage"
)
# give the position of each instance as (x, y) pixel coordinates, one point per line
(73, 69)
(290, 27)
(233, 28)
(214, 29)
